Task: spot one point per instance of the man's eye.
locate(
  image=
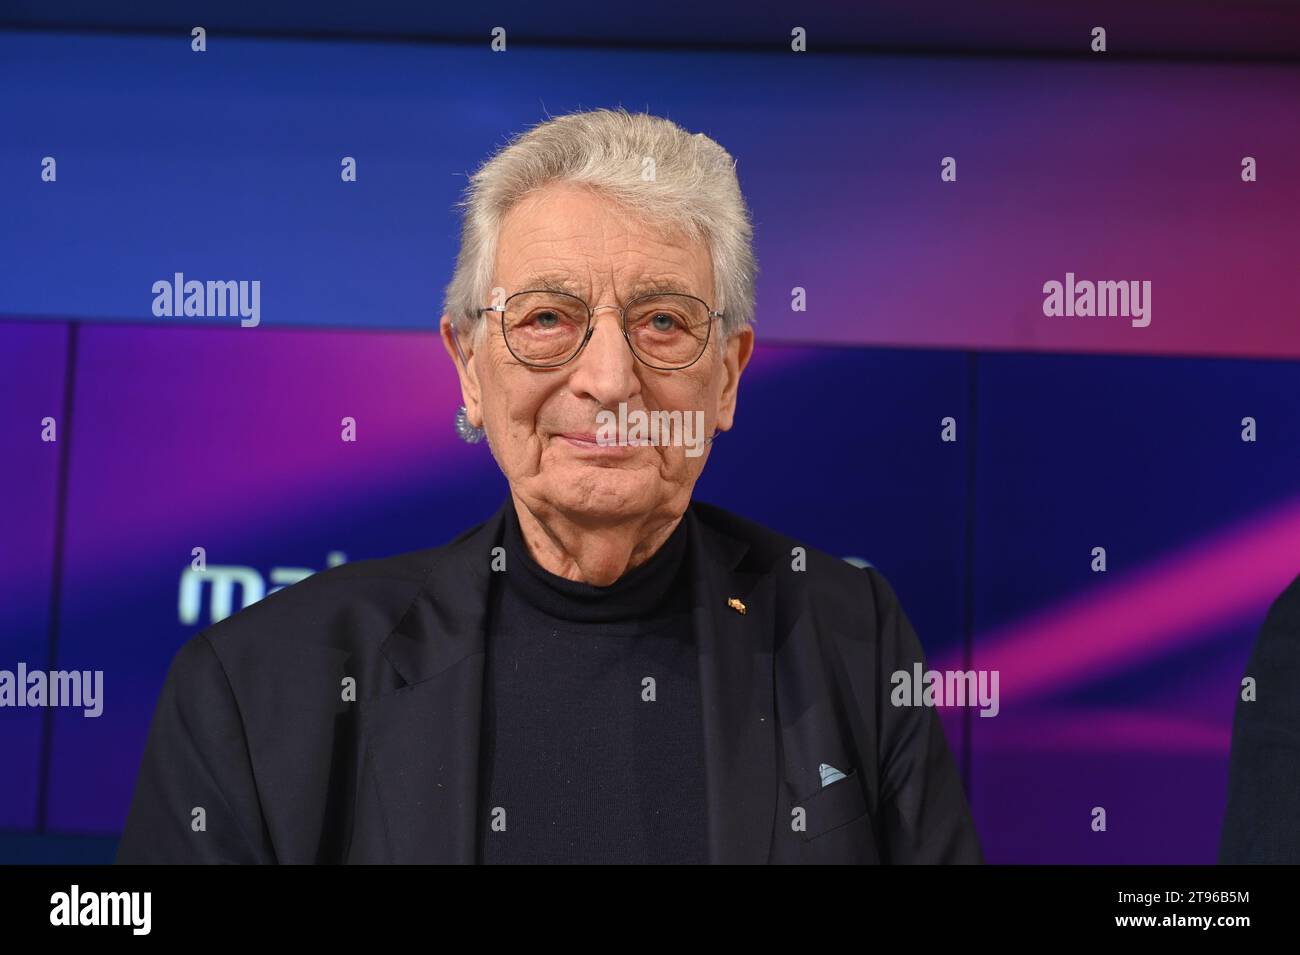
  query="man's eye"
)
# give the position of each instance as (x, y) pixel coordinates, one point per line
(663, 322)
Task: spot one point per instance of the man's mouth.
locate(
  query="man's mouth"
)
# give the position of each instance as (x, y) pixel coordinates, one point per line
(586, 441)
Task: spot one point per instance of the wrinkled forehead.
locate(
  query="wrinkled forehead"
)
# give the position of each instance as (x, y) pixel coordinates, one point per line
(633, 286)
(566, 239)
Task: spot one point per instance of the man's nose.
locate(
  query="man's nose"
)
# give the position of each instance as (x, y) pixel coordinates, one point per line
(606, 369)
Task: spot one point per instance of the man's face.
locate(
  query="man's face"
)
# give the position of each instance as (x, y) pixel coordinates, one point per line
(536, 418)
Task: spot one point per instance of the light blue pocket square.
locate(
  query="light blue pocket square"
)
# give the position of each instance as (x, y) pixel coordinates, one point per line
(829, 774)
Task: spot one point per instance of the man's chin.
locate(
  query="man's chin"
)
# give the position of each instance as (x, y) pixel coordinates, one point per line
(608, 493)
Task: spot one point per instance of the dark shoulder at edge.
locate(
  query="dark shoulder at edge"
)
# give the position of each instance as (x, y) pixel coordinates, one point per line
(1280, 631)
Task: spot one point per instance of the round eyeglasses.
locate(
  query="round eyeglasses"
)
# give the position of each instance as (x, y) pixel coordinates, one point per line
(668, 331)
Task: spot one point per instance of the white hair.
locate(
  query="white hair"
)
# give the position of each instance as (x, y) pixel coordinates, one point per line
(693, 191)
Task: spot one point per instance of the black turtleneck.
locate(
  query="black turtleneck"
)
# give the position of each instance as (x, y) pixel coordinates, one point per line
(590, 761)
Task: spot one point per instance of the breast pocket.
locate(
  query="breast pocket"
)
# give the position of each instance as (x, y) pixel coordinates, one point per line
(833, 806)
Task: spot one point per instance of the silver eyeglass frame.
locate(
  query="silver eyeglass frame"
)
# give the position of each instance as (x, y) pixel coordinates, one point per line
(622, 323)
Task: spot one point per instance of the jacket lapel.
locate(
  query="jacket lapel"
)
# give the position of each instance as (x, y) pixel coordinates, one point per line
(418, 795)
(737, 695)
(421, 742)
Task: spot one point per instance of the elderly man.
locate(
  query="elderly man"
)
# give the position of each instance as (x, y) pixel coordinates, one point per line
(606, 670)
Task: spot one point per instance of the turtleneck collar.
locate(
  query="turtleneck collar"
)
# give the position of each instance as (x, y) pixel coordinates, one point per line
(646, 591)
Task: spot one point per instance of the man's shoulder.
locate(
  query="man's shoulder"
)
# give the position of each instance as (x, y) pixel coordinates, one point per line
(794, 561)
(351, 607)
(819, 599)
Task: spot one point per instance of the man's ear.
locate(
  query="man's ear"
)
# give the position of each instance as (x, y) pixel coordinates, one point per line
(460, 348)
(738, 350)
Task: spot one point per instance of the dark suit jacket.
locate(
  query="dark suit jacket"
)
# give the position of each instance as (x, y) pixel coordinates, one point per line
(1262, 821)
(253, 728)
